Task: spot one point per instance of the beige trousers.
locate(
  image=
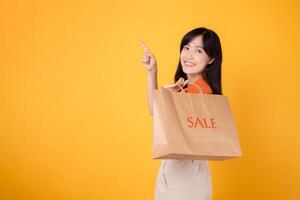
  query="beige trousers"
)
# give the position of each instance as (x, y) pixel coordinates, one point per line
(183, 180)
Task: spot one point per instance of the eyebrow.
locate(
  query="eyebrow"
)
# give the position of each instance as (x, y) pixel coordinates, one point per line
(196, 46)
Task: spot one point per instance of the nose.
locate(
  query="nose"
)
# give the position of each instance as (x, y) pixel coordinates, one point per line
(189, 55)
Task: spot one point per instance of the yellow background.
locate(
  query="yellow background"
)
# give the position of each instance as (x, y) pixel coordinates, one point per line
(74, 122)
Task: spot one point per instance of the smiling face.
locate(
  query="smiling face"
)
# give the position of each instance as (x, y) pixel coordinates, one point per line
(193, 58)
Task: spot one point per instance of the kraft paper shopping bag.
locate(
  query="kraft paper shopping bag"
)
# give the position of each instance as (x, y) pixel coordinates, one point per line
(193, 126)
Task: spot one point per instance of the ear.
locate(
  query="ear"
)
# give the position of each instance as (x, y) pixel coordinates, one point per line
(212, 60)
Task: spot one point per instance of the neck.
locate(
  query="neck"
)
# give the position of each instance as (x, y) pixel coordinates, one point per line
(194, 77)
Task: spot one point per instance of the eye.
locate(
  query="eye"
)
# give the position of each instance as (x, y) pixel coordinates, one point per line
(199, 51)
(186, 47)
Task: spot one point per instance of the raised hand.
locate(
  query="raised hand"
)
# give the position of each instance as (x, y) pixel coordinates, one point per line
(149, 60)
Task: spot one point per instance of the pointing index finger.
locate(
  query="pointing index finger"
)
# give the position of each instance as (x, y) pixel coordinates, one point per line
(144, 46)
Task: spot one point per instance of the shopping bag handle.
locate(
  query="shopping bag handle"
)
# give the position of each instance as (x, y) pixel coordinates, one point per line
(192, 84)
(204, 98)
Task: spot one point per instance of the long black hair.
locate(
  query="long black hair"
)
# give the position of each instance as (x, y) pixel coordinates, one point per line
(212, 46)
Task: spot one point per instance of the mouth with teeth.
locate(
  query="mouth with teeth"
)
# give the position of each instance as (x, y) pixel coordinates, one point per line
(189, 64)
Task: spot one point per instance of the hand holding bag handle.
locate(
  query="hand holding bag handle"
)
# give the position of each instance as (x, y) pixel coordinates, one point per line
(200, 89)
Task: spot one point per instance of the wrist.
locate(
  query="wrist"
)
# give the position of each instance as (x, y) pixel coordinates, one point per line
(152, 73)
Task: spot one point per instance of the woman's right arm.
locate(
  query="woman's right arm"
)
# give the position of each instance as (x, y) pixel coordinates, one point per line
(150, 65)
(151, 85)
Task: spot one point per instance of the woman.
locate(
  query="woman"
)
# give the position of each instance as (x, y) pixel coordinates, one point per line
(199, 68)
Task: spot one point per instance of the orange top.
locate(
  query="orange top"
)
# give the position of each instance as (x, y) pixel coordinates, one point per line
(206, 89)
